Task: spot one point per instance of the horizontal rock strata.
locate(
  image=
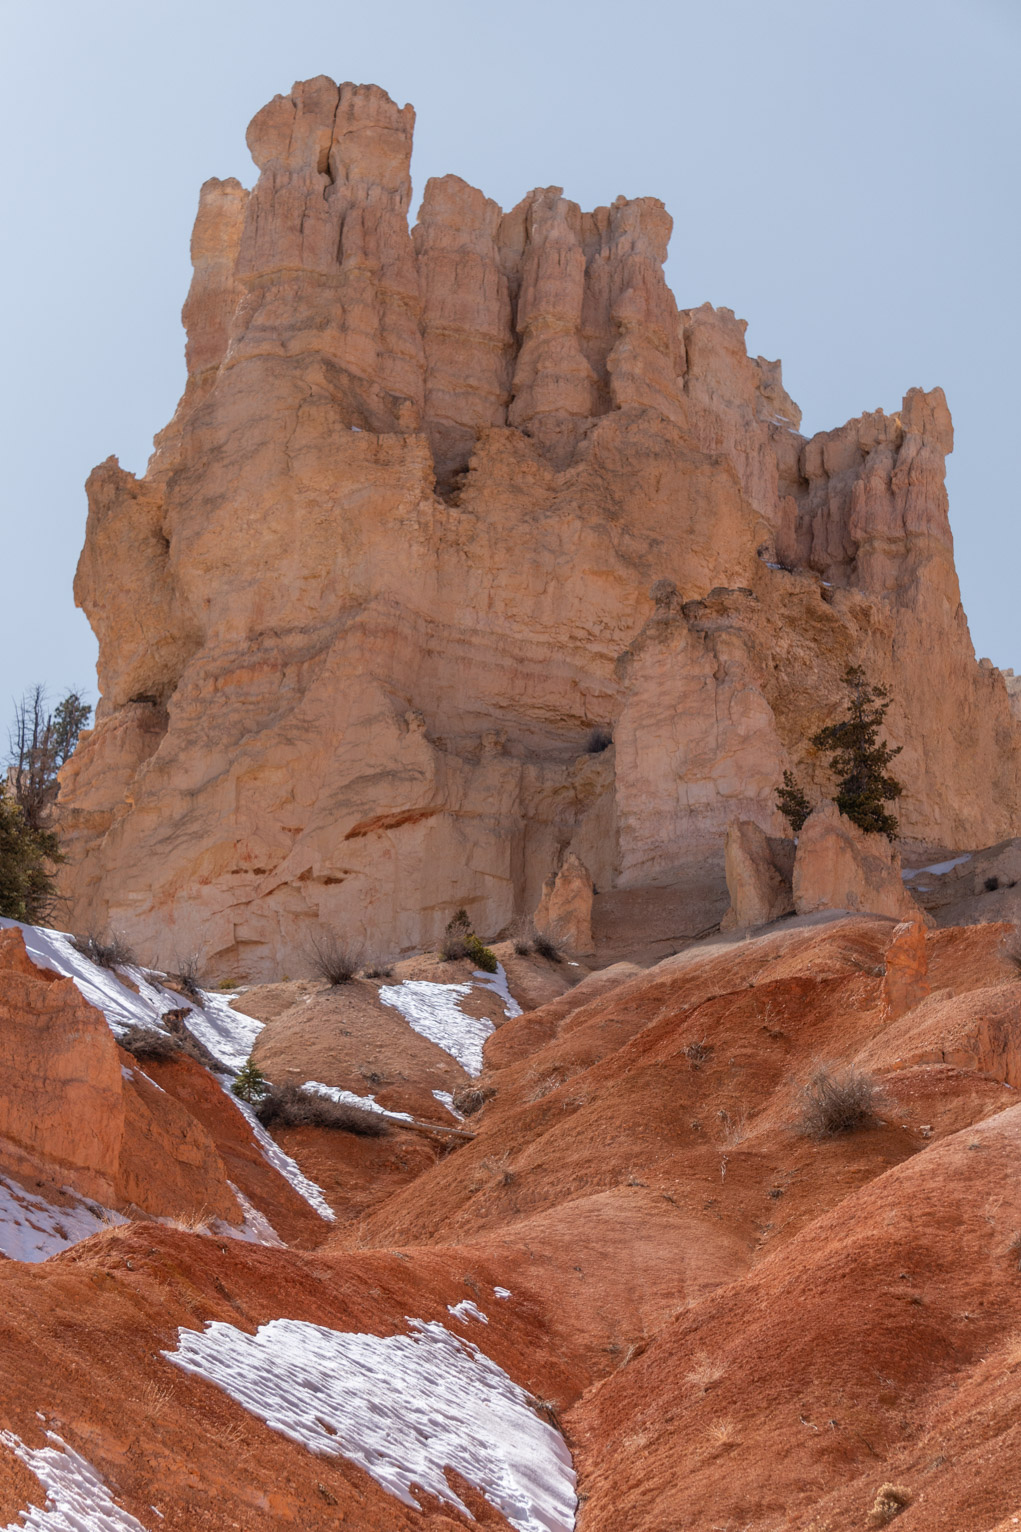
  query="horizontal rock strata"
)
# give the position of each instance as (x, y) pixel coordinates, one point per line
(437, 504)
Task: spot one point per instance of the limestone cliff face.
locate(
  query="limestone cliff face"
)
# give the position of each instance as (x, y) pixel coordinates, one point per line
(438, 502)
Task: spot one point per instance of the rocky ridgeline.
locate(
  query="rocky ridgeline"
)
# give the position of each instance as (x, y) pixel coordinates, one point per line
(438, 505)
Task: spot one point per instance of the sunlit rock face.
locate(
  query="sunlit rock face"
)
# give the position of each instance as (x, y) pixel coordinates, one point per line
(439, 502)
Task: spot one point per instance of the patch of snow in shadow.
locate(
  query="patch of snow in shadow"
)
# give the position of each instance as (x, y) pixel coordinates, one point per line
(403, 1407)
(497, 982)
(254, 1229)
(33, 1230)
(77, 1500)
(938, 868)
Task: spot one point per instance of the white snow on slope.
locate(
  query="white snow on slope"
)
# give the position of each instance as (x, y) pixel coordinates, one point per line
(403, 1407)
(349, 1098)
(497, 982)
(446, 1098)
(466, 1310)
(33, 1230)
(434, 1011)
(939, 868)
(228, 1034)
(77, 1500)
(282, 1163)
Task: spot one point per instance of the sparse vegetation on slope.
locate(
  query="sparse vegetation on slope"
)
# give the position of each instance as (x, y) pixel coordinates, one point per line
(27, 857)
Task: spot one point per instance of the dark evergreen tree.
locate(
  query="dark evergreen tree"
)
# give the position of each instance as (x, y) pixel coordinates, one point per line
(792, 802)
(27, 857)
(40, 743)
(861, 759)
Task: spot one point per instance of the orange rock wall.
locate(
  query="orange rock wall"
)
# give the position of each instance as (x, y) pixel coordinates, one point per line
(437, 502)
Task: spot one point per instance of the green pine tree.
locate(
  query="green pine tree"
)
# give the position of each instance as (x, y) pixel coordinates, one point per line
(860, 759)
(792, 802)
(250, 1083)
(27, 857)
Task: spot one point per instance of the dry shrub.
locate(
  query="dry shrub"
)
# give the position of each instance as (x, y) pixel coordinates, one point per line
(835, 1102)
(698, 1053)
(546, 947)
(379, 972)
(332, 961)
(105, 952)
(469, 1099)
(185, 978)
(147, 1043)
(288, 1106)
(890, 1500)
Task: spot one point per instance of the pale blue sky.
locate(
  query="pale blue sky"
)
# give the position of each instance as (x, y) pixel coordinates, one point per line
(844, 175)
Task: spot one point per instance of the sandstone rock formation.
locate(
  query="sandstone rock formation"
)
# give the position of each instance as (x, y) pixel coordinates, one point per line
(564, 912)
(760, 869)
(839, 867)
(438, 503)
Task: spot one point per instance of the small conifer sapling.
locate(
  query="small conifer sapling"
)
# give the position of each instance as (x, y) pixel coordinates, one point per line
(250, 1084)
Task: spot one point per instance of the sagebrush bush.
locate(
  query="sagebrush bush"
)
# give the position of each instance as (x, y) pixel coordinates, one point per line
(148, 1043)
(185, 978)
(835, 1102)
(460, 942)
(288, 1106)
(332, 961)
(890, 1500)
(546, 947)
(105, 952)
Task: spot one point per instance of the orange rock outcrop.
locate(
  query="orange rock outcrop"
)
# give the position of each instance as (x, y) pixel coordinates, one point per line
(437, 504)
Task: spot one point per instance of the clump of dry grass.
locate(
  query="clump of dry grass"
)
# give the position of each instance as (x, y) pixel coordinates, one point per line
(839, 1101)
(288, 1106)
(890, 1500)
(705, 1373)
(698, 1052)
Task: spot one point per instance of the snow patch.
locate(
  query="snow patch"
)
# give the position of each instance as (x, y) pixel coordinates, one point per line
(77, 1500)
(349, 1098)
(501, 1292)
(404, 1407)
(497, 982)
(433, 1010)
(282, 1163)
(466, 1310)
(228, 1034)
(446, 1098)
(938, 868)
(33, 1230)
